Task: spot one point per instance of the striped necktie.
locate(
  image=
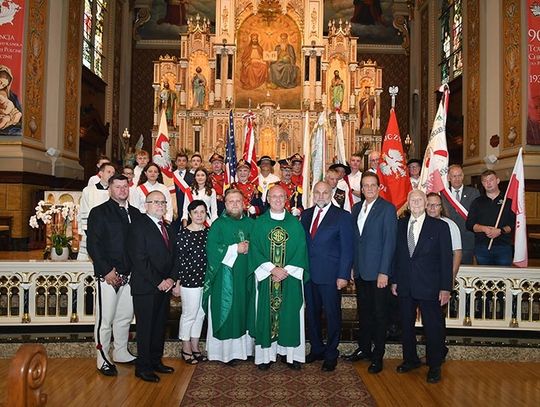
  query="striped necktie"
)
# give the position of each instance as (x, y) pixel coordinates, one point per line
(410, 238)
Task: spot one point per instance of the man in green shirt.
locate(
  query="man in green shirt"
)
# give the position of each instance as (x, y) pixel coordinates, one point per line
(225, 294)
(278, 260)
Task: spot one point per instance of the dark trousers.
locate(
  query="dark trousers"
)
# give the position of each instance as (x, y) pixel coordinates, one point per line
(432, 319)
(499, 255)
(327, 297)
(151, 311)
(372, 303)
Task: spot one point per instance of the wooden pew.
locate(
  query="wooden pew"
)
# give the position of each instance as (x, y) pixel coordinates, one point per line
(26, 375)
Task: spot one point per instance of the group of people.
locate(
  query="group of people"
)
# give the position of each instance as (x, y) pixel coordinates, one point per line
(262, 269)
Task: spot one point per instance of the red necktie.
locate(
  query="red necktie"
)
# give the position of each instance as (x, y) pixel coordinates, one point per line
(315, 225)
(164, 233)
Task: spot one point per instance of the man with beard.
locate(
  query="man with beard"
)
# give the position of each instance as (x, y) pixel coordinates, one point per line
(225, 295)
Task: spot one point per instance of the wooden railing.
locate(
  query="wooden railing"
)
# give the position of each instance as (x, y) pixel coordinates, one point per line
(57, 293)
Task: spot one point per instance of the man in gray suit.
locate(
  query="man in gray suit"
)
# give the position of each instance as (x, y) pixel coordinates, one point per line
(465, 195)
(375, 231)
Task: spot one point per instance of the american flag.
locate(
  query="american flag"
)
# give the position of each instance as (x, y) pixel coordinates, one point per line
(230, 154)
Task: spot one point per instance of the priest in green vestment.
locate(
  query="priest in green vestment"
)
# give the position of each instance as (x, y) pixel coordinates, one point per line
(279, 262)
(225, 294)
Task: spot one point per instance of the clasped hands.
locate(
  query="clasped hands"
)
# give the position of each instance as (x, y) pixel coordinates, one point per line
(492, 232)
(243, 247)
(166, 285)
(112, 278)
(279, 274)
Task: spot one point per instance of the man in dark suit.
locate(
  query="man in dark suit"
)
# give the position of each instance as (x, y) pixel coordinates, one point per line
(422, 278)
(182, 179)
(374, 245)
(329, 238)
(151, 249)
(465, 195)
(108, 226)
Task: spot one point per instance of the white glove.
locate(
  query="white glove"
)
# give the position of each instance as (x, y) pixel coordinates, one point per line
(295, 212)
(252, 210)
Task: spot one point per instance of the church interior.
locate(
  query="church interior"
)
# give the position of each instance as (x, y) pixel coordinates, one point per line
(80, 79)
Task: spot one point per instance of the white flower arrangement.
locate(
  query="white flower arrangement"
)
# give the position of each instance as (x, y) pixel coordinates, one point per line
(58, 216)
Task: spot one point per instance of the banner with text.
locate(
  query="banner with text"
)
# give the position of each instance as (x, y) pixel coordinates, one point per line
(11, 67)
(533, 57)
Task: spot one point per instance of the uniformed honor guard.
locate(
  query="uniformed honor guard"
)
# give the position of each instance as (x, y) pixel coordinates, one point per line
(217, 176)
(293, 191)
(266, 178)
(253, 204)
(297, 168)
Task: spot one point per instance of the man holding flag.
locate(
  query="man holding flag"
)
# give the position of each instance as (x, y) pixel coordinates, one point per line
(492, 221)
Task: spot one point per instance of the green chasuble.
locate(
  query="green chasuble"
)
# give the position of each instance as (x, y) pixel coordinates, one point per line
(276, 316)
(227, 287)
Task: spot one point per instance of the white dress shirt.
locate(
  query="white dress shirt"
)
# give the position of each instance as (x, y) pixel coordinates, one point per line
(364, 213)
(417, 226)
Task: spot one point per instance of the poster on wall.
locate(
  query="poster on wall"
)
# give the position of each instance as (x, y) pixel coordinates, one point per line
(533, 58)
(11, 52)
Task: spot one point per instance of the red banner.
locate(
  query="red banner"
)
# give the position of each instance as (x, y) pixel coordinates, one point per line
(533, 57)
(11, 52)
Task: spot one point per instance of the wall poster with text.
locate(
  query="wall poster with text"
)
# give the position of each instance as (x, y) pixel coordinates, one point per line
(11, 68)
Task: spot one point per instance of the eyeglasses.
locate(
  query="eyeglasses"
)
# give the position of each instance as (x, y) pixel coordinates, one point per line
(159, 203)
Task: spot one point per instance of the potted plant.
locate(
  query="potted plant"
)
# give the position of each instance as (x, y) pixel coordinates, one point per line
(59, 217)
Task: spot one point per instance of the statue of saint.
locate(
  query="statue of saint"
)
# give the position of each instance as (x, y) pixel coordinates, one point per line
(254, 71)
(337, 89)
(167, 98)
(367, 103)
(199, 88)
(284, 72)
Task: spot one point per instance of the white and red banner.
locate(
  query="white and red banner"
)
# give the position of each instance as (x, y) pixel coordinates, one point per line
(314, 156)
(433, 177)
(516, 192)
(392, 171)
(11, 66)
(161, 155)
(250, 154)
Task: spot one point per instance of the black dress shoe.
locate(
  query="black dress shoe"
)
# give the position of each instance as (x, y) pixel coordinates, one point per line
(310, 358)
(147, 376)
(329, 365)
(161, 368)
(295, 365)
(108, 370)
(357, 355)
(375, 367)
(263, 366)
(434, 375)
(408, 366)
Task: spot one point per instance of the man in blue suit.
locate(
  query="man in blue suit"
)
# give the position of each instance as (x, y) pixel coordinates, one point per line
(375, 226)
(329, 236)
(422, 278)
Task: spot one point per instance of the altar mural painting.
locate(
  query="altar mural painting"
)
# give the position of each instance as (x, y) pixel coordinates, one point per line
(268, 66)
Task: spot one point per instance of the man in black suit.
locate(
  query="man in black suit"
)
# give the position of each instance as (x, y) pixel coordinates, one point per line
(108, 226)
(422, 278)
(329, 237)
(151, 249)
(375, 229)
(182, 179)
(465, 195)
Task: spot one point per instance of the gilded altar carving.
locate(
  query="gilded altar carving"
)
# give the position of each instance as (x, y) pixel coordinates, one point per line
(35, 69)
(511, 73)
(73, 74)
(472, 135)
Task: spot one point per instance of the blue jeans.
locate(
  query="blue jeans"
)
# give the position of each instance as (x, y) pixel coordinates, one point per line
(499, 255)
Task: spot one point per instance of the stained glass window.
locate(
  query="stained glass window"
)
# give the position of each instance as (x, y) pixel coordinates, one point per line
(95, 12)
(451, 23)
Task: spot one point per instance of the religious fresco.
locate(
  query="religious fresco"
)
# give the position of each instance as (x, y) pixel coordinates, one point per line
(371, 20)
(168, 18)
(269, 61)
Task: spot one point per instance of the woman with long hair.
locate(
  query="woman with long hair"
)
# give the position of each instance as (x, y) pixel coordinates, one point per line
(201, 189)
(150, 180)
(191, 263)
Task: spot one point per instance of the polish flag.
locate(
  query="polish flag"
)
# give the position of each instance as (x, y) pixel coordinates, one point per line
(392, 171)
(516, 192)
(436, 157)
(161, 154)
